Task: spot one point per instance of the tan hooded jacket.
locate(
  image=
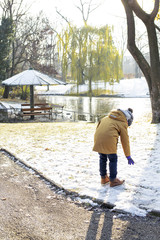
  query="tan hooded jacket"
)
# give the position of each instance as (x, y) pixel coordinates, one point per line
(108, 131)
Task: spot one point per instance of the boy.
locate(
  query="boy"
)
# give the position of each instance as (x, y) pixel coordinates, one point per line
(105, 143)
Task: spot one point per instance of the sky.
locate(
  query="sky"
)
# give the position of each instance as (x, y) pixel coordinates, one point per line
(109, 12)
(104, 14)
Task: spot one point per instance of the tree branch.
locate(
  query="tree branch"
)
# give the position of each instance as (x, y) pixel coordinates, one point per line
(63, 17)
(134, 5)
(140, 13)
(158, 28)
(135, 52)
(155, 10)
(89, 9)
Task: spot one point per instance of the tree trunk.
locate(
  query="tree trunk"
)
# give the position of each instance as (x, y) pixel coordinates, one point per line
(6, 92)
(155, 72)
(90, 88)
(155, 104)
(151, 71)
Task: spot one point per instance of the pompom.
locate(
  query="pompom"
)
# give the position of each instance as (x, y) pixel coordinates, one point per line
(130, 110)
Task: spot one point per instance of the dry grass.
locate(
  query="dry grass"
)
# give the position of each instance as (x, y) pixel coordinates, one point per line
(26, 137)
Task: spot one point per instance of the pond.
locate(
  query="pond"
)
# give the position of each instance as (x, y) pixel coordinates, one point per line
(85, 108)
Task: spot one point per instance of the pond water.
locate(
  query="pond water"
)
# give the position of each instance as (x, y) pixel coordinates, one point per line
(85, 108)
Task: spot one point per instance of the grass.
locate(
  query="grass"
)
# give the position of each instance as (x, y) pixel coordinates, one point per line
(95, 93)
(53, 136)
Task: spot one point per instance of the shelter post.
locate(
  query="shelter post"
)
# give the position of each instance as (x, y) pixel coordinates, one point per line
(32, 98)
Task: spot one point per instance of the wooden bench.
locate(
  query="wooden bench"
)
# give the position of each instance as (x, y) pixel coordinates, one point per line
(42, 109)
(36, 111)
(35, 104)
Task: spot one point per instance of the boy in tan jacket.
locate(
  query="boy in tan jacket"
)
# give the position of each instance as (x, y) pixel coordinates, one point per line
(105, 143)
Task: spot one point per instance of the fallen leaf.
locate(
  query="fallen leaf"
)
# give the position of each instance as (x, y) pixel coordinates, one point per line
(3, 199)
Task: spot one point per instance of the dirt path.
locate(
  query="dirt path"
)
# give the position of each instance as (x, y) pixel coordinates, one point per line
(31, 210)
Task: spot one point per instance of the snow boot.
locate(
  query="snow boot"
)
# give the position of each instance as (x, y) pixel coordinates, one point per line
(116, 182)
(104, 180)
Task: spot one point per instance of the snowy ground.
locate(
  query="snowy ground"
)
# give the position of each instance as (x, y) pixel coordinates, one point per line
(63, 153)
(136, 87)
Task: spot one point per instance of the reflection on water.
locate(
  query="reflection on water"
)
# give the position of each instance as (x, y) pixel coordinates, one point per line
(85, 107)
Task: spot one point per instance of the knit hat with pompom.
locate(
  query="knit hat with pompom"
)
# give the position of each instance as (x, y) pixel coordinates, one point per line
(128, 114)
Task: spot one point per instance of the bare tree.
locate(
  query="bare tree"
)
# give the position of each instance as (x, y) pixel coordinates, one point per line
(33, 43)
(150, 70)
(14, 9)
(86, 8)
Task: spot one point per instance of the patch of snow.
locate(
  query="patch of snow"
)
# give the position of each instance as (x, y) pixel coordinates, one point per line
(136, 87)
(89, 201)
(63, 153)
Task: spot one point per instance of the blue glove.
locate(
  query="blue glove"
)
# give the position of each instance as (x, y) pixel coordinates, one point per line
(130, 160)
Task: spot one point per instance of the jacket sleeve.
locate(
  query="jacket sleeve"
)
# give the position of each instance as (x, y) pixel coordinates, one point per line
(125, 141)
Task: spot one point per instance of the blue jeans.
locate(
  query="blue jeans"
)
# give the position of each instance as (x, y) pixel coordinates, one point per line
(112, 165)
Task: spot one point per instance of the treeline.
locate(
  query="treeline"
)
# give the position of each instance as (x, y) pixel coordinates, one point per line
(77, 53)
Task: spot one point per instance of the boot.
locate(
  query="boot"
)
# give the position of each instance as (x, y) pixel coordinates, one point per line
(104, 180)
(116, 182)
